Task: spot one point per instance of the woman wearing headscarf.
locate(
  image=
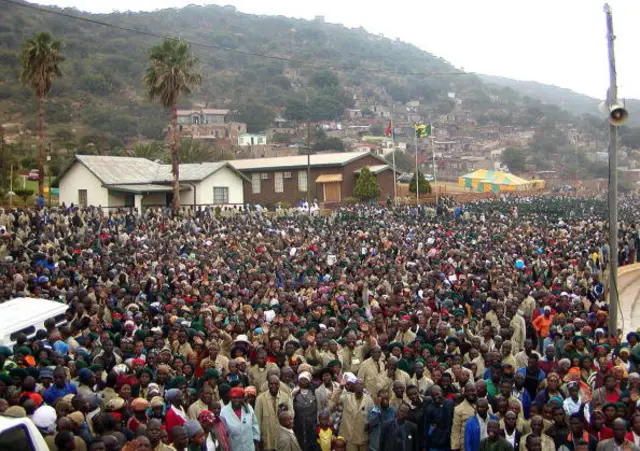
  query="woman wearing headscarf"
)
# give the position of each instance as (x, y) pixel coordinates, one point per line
(305, 407)
(175, 416)
(217, 436)
(242, 423)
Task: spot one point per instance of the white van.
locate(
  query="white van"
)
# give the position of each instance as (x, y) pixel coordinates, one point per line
(20, 434)
(27, 315)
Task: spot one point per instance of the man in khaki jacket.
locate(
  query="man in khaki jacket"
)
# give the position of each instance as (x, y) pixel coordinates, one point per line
(268, 405)
(461, 414)
(258, 373)
(356, 407)
(370, 371)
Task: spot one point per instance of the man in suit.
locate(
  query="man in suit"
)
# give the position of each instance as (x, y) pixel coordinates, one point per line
(465, 410)
(618, 442)
(438, 414)
(287, 440)
(399, 434)
(509, 431)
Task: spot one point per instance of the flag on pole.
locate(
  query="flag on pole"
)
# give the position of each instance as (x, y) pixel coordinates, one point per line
(422, 130)
(389, 130)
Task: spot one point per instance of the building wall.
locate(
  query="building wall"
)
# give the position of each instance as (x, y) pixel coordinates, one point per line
(79, 177)
(223, 177)
(385, 181)
(291, 193)
(154, 199)
(245, 139)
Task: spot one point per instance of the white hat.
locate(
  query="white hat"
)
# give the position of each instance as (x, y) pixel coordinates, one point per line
(241, 338)
(44, 417)
(350, 378)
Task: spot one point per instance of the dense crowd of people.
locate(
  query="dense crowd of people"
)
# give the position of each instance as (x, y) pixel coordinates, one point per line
(479, 326)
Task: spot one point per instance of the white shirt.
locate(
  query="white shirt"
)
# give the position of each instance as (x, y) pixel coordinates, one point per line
(636, 438)
(510, 438)
(483, 426)
(571, 406)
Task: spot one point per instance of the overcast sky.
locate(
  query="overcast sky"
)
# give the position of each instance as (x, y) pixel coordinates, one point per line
(560, 42)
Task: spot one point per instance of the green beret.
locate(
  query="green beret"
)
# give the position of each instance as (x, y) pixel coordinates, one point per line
(140, 334)
(24, 350)
(360, 311)
(429, 347)
(314, 325)
(211, 373)
(81, 364)
(404, 365)
(96, 367)
(395, 344)
(147, 370)
(453, 340)
(334, 363)
(178, 380)
(4, 377)
(5, 352)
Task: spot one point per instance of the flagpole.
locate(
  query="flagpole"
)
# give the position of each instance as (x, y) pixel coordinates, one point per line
(415, 140)
(433, 156)
(395, 182)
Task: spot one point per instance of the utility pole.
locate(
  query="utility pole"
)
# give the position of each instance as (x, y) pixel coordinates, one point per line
(612, 98)
(309, 168)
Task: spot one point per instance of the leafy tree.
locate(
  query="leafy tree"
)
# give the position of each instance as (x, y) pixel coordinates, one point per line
(328, 144)
(172, 73)
(324, 79)
(367, 187)
(514, 159)
(41, 60)
(24, 193)
(257, 117)
(424, 186)
(404, 163)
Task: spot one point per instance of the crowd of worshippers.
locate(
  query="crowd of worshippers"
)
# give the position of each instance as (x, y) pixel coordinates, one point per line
(477, 326)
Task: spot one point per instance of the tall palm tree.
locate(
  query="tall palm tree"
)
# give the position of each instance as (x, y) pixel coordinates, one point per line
(153, 150)
(193, 151)
(41, 60)
(172, 73)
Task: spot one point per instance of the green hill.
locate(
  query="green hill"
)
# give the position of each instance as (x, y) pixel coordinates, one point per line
(312, 69)
(566, 99)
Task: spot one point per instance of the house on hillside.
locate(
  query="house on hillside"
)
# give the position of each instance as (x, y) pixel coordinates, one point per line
(112, 182)
(331, 177)
(252, 139)
(209, 124)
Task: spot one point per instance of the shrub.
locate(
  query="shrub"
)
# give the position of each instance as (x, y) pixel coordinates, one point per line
(24, 193)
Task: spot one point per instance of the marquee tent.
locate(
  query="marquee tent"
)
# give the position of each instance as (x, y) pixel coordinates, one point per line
(484, 180)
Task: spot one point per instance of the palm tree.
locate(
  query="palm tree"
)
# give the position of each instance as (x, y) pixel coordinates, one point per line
(41, 59)
(153, 150)
(172, 73)
(193, 151)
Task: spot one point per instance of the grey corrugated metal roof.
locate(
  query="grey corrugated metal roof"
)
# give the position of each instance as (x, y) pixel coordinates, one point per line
(323, 159)
(120, 170)
(131, 170)
(375, 169)
(145, 188)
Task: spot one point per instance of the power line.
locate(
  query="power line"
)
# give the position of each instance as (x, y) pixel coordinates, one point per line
(226, 49)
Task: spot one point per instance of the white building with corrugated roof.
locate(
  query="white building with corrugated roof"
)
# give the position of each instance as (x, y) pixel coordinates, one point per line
(117, 182)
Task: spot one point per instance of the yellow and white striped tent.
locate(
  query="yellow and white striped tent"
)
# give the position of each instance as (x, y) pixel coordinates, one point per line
(484, 180)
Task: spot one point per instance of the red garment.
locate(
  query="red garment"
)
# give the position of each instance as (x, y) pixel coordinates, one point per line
(133, 424)
(171, 420)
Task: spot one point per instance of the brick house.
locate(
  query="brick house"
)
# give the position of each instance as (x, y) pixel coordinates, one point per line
(332, 177)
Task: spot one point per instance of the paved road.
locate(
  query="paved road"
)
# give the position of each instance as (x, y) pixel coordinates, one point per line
(629, 295)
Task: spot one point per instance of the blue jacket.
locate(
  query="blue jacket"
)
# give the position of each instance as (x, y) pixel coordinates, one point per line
(472, 432)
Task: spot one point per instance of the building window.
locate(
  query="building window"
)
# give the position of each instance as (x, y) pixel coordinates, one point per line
(264, 176)
(287, 175)
(221, 195)
(279, 182)
(82, 197)
(255, 183)
(302, 181)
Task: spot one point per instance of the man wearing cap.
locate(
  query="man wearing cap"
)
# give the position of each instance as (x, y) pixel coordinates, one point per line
(356, 408)
(268, 404)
